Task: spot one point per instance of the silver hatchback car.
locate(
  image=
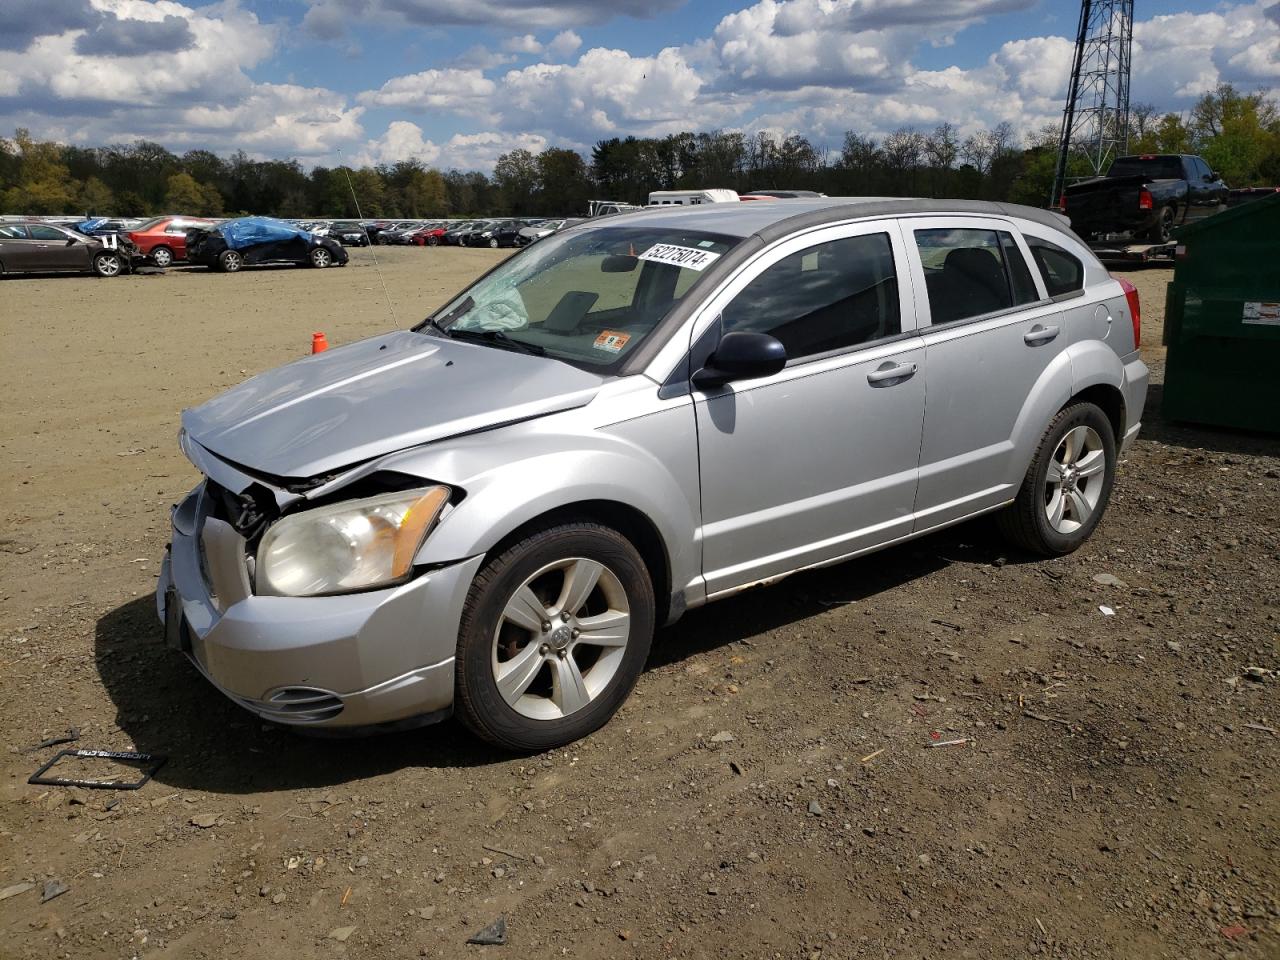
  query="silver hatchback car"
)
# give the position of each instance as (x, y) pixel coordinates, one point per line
(492, 512)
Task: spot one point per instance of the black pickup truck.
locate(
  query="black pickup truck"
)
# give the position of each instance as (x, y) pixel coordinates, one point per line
(1145, 197)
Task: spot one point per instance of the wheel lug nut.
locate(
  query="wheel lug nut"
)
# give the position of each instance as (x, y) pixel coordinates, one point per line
(543, 649)
(561, 654)
(576, 634)
(546, 624)
(565, 616)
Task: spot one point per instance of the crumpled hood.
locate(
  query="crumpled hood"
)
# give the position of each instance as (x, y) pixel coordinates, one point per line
(377, 396)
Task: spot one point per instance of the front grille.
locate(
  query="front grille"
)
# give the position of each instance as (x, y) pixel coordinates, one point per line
(296, 705)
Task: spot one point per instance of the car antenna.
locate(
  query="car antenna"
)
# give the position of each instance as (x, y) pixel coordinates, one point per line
(377, 266)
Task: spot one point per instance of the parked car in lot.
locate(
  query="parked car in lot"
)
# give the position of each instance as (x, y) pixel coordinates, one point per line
(349, 233)
(36, 247)
(430, 234)
(542, 230)
(252, 241)
(492, 232)
(491, 513)
(163, 240)
(106, 226)
(1145, 196)
(454, 236)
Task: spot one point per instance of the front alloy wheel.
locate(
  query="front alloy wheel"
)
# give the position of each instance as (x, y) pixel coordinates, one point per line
(230, 261)
(321, 258)
(107, 264)
(554, 635)
(162, 256)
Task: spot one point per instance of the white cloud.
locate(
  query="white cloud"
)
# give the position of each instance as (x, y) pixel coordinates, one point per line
(460, 91)
(563, 44)
(475, 151)
(525, 44)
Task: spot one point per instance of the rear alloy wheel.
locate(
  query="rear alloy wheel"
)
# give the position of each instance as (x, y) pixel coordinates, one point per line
(108, 264)
(162, 256)
(493, 243)
(433, 241)
(1162, 232)
(1067, 486)
(230, 261)
(554, 635)
(321, 258)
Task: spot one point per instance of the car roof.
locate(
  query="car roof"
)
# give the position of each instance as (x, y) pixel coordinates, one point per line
(774, 218)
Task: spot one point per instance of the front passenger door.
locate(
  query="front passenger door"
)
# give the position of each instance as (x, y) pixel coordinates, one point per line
(819, 460)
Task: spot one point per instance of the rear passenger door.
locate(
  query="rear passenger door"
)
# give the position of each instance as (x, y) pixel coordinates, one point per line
(991, 333)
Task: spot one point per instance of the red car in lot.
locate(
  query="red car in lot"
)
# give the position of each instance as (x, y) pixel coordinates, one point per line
(163, 240)
(430, 235)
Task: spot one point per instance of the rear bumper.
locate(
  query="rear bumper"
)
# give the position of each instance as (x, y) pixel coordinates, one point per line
(360, 660)
(1136, 378)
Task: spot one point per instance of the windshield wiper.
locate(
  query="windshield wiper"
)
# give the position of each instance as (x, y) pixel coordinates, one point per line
(434, 324)
(498, 339)
(442, 325)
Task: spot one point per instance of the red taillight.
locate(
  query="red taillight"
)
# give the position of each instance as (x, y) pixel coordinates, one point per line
(1062, 202)
(1144, 200)
(1135, 309)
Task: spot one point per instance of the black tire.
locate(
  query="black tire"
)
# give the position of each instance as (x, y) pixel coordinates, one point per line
(479, 704)
(108, 264)
(1162, 231)
(230, 261)
(320, 257)
(1025, 523)
(162, 256)
(433, 241)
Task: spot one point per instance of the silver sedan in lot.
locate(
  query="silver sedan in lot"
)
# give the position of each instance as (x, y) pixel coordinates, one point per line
(491, 513)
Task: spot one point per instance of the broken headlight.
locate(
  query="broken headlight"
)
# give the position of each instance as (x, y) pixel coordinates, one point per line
(347, 546)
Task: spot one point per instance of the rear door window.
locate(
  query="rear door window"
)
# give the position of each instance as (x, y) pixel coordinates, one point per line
(1063, 272)
(12, 231)
(972, 272)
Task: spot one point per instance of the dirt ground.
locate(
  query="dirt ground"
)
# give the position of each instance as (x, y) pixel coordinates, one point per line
(768, 791)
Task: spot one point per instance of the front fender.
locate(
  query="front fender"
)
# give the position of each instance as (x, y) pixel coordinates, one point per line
(516, 474)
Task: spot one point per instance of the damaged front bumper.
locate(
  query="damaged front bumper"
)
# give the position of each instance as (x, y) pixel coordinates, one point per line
(340, 662)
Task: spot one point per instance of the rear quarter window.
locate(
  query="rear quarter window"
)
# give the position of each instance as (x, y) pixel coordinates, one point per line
(1063, 272)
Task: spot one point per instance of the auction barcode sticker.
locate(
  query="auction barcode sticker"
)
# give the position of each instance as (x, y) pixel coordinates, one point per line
(687, 257)
(1262, 312)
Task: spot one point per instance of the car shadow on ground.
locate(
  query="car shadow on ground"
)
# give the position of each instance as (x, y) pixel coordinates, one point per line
(164, 706)
(1192, 436)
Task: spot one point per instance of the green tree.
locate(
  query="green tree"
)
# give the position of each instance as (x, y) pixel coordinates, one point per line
(96, 198)
(516, 175)
(184, 195)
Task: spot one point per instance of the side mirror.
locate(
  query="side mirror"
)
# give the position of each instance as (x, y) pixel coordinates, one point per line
(1214, 175)
(742, 356)
(72, 241)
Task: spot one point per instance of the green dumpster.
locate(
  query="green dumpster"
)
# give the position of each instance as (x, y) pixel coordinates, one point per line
(1222, 320)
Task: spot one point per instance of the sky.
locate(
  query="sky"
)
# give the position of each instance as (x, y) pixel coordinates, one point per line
(457, 83)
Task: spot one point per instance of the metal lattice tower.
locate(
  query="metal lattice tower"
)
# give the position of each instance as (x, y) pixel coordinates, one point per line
(1095, 122)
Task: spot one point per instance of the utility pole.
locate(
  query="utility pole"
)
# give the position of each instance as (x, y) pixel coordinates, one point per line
(1095, 121)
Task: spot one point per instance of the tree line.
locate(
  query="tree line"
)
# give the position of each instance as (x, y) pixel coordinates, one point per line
(1237, 133)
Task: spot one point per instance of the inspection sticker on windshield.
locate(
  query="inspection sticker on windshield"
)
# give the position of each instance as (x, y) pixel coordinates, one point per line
(688, 257)
(1262, 312)
(611, 341)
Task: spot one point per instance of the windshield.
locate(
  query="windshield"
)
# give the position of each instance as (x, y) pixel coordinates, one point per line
(1157, 168)
(589, 298)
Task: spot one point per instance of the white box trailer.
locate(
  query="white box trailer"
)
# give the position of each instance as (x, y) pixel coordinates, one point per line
(664, 198)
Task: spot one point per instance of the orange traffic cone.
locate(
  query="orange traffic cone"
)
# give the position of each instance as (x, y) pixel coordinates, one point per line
(319, 344)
